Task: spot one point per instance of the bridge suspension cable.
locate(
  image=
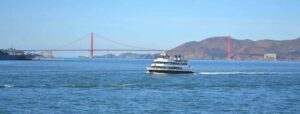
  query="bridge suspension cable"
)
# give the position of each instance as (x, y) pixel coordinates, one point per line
(120, 43)
(74, 41)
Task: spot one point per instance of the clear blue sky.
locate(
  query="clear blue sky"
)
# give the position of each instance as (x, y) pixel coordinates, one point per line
(165, 24)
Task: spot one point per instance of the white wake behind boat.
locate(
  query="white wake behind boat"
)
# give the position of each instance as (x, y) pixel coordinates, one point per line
(168, 65)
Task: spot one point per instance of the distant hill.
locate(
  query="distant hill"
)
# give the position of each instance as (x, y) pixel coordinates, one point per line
(216, 48)
(130, 56)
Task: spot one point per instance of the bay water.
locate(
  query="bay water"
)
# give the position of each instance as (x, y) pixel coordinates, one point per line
(123, 86)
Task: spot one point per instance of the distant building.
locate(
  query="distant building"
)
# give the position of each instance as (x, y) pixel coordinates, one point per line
(270, 56)
(47, 54)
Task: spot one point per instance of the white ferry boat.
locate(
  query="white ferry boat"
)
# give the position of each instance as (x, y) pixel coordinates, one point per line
(168, 65)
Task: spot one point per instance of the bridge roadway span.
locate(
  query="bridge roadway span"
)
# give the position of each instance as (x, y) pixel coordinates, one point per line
(92, 50)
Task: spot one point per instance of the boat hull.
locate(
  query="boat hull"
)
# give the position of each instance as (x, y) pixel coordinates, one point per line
(169, 72)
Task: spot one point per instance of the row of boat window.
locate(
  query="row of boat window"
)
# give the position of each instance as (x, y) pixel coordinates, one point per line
(166, 67)
(171, 63)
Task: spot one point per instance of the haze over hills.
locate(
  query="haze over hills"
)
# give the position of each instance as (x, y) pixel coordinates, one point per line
(130, 56)
(216, 48)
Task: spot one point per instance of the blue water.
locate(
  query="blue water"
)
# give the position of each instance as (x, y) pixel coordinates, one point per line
(123, 86)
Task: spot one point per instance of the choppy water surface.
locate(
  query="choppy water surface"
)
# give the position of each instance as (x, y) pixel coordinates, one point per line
(123, 86)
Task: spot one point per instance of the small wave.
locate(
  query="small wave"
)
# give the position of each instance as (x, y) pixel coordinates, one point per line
(7, 86)
(247, 73)
(82, 85)
(114, 85)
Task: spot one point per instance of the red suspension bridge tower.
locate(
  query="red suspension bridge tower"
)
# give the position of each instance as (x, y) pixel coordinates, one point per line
(92, 46)
(228, 48)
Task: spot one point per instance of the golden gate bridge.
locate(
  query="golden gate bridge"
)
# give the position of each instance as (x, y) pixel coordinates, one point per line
(91, 50)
